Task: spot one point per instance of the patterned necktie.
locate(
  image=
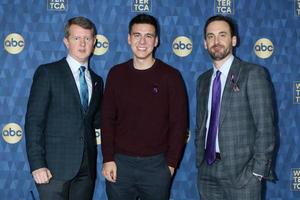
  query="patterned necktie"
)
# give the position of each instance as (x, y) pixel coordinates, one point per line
(84, 93)
(210, 151)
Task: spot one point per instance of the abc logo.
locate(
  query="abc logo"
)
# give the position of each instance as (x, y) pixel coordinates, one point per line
(12, 133)
(98, 136)
(263, 48)
(101, 46)
(182, 46)
(14, 43)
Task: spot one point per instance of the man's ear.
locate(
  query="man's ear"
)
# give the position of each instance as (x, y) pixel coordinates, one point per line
(205, 44)
(128, 39)
(66, 42)
(234, 41)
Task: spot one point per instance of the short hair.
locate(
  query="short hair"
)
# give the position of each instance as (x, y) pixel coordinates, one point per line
(144, 19)
(226, 19)
(82, 22)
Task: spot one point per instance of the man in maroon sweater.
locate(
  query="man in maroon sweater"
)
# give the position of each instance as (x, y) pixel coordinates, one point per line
(144, 120)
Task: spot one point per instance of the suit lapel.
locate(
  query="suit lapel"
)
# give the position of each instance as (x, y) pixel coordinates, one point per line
(95, 83)
(233, 77)
(70, 83)
(204, 96)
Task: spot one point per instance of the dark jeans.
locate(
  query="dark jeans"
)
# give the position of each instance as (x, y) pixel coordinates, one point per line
(148, 178)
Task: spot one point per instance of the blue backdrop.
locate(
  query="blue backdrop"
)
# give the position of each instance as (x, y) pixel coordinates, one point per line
(39, 25)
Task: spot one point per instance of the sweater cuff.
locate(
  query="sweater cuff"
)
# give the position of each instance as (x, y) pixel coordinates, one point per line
(172, 163)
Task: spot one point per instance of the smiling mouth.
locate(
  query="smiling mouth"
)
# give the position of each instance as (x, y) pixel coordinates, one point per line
(141, 48)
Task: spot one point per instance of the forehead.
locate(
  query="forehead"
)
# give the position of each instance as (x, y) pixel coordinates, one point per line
(143, 28)
(75, 29)
(218, 26)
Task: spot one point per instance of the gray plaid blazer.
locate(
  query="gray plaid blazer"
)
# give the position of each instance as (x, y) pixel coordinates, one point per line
(57, 129)
(247, 124)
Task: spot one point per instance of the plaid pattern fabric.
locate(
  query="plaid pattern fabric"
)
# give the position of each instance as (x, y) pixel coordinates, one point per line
(57, 129)
(247, 124)
(214, 184)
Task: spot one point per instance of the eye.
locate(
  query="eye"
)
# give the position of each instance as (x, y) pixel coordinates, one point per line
(209, 37)
(223, 34)
(88, 39)
(150, 36)
(136, 35)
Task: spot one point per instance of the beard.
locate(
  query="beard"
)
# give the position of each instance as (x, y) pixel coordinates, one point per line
(219, 52)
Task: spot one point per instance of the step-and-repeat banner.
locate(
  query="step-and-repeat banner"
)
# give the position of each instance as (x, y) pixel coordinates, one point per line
(32, 34)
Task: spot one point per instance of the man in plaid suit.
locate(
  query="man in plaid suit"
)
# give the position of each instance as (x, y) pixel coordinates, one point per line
(244, 138)
(60, 129)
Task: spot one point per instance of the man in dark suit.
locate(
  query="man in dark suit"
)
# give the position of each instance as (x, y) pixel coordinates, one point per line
(235, 128)
(62, 115)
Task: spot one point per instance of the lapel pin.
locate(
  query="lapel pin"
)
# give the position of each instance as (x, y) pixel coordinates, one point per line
(234, 85)
(155, 89)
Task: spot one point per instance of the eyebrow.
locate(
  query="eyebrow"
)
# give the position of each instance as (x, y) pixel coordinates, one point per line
(142, 34)
(222, 32)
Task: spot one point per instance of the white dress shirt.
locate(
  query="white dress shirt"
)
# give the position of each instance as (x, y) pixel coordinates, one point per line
(74, 66)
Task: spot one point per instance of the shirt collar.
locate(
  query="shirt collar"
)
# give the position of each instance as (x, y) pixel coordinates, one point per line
(74, 64)
(224, 69)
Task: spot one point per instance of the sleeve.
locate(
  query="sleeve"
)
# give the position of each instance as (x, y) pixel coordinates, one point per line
(178, 120)
(36, 117)
(109, 116)
(260, 96)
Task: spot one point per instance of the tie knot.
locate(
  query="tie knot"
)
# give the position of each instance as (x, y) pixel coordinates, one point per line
(82, 68)
(218, 73)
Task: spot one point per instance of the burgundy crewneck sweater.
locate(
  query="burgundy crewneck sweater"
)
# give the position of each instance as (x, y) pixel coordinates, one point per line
(144, 112)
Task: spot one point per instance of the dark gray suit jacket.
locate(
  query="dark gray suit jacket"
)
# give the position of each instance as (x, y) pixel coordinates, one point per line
(56, 127)
(247, 125)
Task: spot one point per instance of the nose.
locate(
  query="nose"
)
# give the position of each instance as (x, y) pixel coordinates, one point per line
(217, 40)
(142, 40)
(82, 42)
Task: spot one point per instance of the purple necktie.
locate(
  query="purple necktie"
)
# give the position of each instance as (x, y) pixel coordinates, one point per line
(210, 151)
